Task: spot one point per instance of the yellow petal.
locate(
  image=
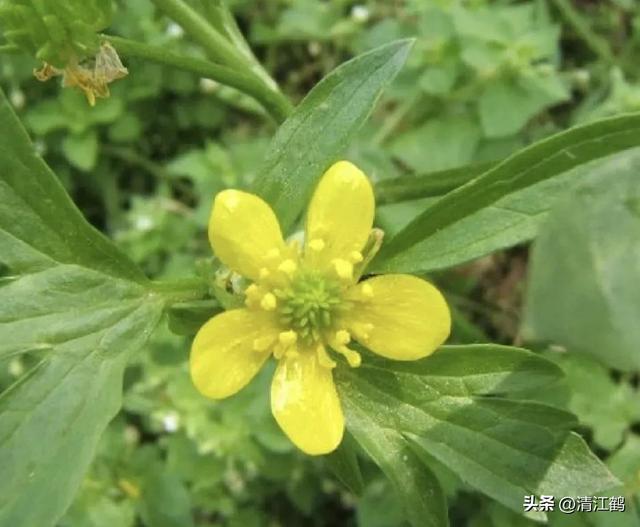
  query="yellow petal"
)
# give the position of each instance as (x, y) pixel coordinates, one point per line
(398, 316)
(305, 403)
(340, 214)
(229, 350)
(244, 232)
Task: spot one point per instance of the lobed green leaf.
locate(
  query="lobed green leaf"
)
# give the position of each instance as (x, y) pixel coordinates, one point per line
(450, 406)
(70, 300)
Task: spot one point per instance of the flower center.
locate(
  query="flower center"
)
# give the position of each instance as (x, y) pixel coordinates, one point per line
(309, 305)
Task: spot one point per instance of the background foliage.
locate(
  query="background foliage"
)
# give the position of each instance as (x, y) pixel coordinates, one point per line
(483, 80)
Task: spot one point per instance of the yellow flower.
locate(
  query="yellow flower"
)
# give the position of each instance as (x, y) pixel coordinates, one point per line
(304, 305)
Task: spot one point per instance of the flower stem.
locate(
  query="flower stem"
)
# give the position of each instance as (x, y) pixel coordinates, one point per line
(218, 48)
(274, 102)
(182, 290)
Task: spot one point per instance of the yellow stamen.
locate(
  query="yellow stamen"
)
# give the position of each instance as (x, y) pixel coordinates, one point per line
(342, 337)
(362, 330)
(252, 296)
(288, 267)
(355, 257)
(264, 273)
(366, 290)
(324, 359)
(353, 357)
(268, 302)
(316, 245)
(343, 269)
(288, 338)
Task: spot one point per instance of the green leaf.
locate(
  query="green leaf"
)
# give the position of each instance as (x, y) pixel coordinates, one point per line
(625, 463)
(505, 448)
(441, 144)
(608, 407)
(415, 485)
(71, 300)
(524, 97)
(379, 508)
(188, 317)
(550, 157)
(322, 125)
(514, 219)
(582, 266)
(439, 80)
(411, 187)
(81, 150)
(165, 500)
(344, 464)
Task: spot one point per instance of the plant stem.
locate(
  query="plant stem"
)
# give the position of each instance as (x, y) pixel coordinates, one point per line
(131, 156)
(274, 102)
(9, 48)
(581, 26)
(395, 119)
(217, 47)
(182, 290)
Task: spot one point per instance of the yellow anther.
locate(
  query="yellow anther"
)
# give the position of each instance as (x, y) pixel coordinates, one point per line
(316, 245)
(288, 267)
(343, 268)
(324, 359)
(355, 257)
(268, 302)
(262, 343)
(273, 254)
(366, 290)
(288, 338)
(363, 330)
(252, 295)
(264, 273)
(342, 337)
(353, 357)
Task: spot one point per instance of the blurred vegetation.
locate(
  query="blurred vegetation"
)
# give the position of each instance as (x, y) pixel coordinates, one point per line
(484, 79)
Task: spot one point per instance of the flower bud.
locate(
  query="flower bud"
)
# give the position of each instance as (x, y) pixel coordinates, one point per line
(55, 31)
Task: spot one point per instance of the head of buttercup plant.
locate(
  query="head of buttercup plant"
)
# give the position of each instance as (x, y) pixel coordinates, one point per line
(64, 36)
(307, 302)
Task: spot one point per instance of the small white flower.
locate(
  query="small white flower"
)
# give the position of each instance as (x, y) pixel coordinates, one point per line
(144, 223)
(171, 422)
(360, 13)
